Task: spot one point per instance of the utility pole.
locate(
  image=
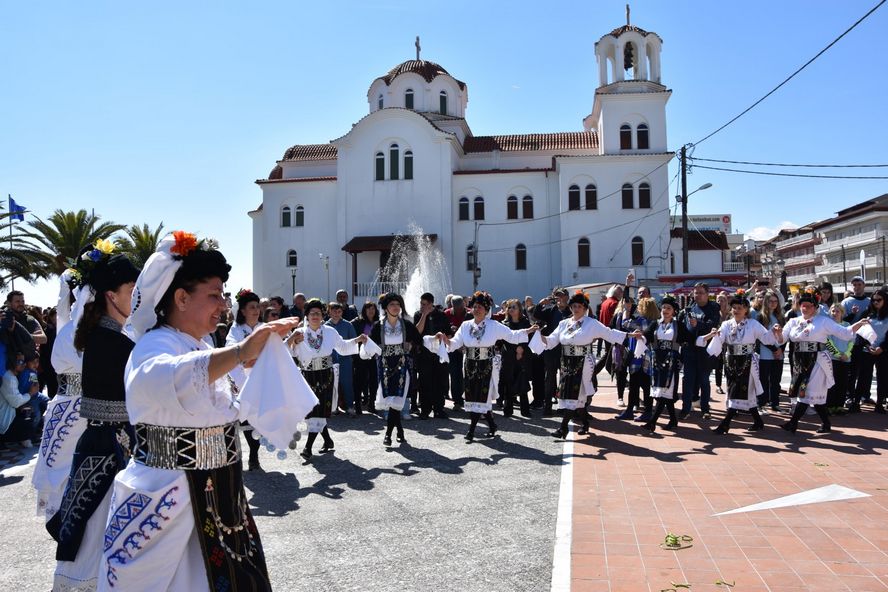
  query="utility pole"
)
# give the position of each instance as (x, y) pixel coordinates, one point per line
(684, 209)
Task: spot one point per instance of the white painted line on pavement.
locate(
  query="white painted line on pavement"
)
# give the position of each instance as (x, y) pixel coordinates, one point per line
(564, 523)
(829, 493)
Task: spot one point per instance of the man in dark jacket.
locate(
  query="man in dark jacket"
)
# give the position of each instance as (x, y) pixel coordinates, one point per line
(433, 375)
(548, 313)
(700, 317)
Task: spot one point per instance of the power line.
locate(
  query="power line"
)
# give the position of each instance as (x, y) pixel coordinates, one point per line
(791, 76)
(776, 164)
(700, 166)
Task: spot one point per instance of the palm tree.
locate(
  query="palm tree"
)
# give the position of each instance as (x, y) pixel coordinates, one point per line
(140, 242)
(58, 240)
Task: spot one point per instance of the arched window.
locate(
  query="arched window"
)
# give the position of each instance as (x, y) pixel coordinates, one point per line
(527, 207)
(285, 217)
(573, 197)
(442, 102)
(379, 101)
(520, 257)
(643, 141)
(393, 162)
(470, 258)
(625, 137)
(628, 198)
(300, 216)
(479, 208)
(380, 166)
(583, 256)
(512, 208)
(408, 164)
(463, 208)
(644, 196)
(637, 251)
(591, 197)
(408, 98)
(292, 260)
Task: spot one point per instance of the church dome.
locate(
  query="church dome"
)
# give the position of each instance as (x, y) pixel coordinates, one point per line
(428, 70)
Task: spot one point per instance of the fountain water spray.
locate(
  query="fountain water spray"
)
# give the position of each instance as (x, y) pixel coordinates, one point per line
(418, 262)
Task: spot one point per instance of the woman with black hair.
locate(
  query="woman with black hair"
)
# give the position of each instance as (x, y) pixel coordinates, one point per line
(513, 380)
(874, 356)
(180, 518)
(365, 370)
(481, 364)
(825, 289)
(576, 334)
(812, 367)
(106, 444)
(313, 350)
(736, 339)
(397, 337)
(246, 320)
(664, 338)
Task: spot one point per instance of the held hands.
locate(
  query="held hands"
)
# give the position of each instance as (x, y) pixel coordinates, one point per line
(637, 334)
(253, 344)
(876, 351)
(362, 338)
(711, 334)
(530, 330)
(443, 338)
(856, 326)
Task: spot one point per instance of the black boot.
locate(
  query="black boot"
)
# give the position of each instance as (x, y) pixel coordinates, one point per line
(491, 425)
(306, 452)
(725, 425)
(673, 421)
(253, 444)
(825, 425)
(793, 423)
(390, 425)
(470, 437)
(399, 429)
(584, 415)
(757, 423)
(651, 425)
(561, 432)
(328, 441)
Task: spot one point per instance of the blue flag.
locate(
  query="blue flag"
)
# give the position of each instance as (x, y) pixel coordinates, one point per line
(17, 211)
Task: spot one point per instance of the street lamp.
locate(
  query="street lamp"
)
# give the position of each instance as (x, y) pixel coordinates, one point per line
(293, 277)
(683, 200)
(326, 260)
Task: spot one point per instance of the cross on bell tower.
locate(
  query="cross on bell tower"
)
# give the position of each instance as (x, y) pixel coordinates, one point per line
(418, 48)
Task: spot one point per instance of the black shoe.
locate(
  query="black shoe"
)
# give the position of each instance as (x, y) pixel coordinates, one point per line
(423, 416)
(825, 429)
(558, 434)
(672, 425)
(789, 427)
(583, 431)
(458, 406)
(414, 409)
(645, 416)
(470, 437)
(440, 415)
(387, 441)
(758, 426)
(525, 413)
(650, 426)
(880, 409)
(627, 414)
(536, 405)
(775, 408)
(720, 429)
(306, 454)
(684, 414)
(854, 407)
(400, 438)
(326, 448)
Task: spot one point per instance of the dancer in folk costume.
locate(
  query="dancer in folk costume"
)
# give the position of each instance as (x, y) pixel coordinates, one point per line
(62, 424)
(736, 339)
(575, 335)
(481, 368)
(105, 445)
(812, 367)
(664, 337)
(398, 339)
(179, 519)
(312, 345)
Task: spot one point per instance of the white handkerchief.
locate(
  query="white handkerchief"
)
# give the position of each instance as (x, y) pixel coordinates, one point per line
(370, 349)
(868, 333)
(536, 344)
(442, 352)
(640, 348)
(275, 397)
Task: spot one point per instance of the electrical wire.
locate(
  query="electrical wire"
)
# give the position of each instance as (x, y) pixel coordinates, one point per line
(776, 164)
(808, 176)
(793, 75)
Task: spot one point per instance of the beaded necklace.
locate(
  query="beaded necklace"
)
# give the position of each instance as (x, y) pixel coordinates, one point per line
(314, 341)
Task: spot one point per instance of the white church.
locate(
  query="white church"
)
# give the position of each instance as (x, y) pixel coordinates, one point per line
(512, 214)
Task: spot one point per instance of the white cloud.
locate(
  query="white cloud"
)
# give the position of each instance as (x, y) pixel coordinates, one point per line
(766, 232)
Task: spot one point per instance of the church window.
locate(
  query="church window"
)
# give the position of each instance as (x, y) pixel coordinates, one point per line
(442, 102)
(512, 208)
(583, 255)
(591, 197)
(463, 208)
(644, 196)
(573, 197)
(300, 216)
(520, 257)
(643, 138)
(527, 207)
(292, 260)
(408, 164)
(628, 197)
(285, 217)
(637, 251)
(380, 166)
(379, 101)
(408, 98)
(393, 162)
(479, 208)
(625, 137)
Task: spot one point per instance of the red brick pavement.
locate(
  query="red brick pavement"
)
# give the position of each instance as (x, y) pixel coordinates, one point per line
(630, 489)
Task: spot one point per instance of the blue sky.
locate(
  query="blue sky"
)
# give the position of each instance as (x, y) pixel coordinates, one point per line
(169, 111)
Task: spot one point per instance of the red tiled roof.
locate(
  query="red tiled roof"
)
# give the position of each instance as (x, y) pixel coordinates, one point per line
(276, 173)
(426, 69)
(525, 142)
(627, 28)
(704, 240)
(310, 152)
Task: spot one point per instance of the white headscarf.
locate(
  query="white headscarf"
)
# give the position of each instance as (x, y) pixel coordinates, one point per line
(153, 282)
